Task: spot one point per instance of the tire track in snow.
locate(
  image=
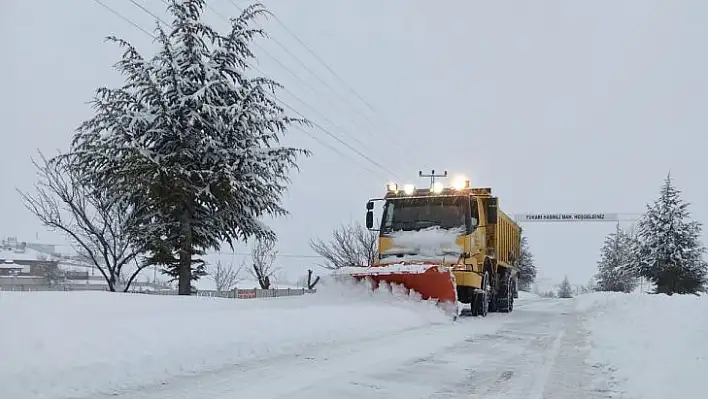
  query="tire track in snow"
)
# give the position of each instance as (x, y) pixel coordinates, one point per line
(543, 376)
(534, 352)
(556, 368)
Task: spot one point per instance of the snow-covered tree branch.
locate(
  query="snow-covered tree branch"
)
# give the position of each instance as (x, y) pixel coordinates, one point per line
(191, 141)
(98, 227)
(350, 245)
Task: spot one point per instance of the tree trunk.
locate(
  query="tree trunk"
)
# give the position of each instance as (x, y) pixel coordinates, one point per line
(112, 283)
(185, 254)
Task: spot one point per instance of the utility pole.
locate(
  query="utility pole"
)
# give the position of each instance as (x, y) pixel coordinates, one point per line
(432, 176)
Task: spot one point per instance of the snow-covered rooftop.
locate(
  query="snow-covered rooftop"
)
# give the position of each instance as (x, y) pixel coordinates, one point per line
(20, 254)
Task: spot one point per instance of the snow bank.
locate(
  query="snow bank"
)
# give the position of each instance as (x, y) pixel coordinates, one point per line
(527, 297)
(655, 345)
(388, 269)
(73, 344)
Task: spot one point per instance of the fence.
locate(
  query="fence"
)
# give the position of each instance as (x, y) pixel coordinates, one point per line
(241, 294)
(235, 294)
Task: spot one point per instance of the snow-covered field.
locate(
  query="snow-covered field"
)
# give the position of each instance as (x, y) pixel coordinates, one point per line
(656, 346)
(349, 343)
(69, 344)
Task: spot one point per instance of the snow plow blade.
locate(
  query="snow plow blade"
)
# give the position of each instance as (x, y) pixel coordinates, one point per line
(431, 282)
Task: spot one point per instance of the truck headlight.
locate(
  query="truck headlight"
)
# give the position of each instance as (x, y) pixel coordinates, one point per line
(460, 183)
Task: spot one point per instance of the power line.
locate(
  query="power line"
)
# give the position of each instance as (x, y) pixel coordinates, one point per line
(304, 256)
(119, 15)
(319, 59)
(334, 149)
(330, 69)
(276, 99)
(147, 11)
(327, 132)
(302, 64)
(283, 66)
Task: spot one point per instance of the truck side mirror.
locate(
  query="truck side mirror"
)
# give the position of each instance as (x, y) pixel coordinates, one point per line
(491, 210)
(369, 215)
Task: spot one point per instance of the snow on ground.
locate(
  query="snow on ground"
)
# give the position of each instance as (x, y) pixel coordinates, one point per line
(72, 344)
(655, 345)
(351, 343)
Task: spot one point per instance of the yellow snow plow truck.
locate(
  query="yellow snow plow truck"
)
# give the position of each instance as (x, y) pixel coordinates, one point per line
(449, 244)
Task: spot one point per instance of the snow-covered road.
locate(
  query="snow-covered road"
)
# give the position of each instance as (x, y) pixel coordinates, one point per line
(348, 343)
(535, 352)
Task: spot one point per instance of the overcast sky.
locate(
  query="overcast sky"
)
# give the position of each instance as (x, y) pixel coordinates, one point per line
(558, 106)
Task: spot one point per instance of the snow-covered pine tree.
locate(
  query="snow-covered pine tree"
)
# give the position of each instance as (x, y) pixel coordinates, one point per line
(527, 266)
(565, 290)
(669, 251)
(614, 272)
(190, 140)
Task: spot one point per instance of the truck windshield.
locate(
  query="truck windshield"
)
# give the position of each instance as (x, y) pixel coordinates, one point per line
(420, 213)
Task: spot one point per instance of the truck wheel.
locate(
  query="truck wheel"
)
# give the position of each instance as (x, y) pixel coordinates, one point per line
(480, 304)
(505, 298)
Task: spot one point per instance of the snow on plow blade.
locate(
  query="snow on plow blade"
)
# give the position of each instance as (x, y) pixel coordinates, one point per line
(431, 282)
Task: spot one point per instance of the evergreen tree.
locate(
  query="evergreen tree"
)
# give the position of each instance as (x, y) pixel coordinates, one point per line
(614, 268)
(668, 251)
(565, 290)
(190, 141)
(527, 267)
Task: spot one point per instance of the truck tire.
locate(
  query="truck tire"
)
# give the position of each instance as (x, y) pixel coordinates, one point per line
(480, 303)
(494, 286)
(505, 295)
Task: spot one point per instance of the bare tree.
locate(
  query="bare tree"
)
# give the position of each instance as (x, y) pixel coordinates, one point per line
(226, 277)
(263, 255)
(350, 245)
(97, 227)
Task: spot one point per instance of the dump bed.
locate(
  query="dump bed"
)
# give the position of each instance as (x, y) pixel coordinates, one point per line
(508, 239)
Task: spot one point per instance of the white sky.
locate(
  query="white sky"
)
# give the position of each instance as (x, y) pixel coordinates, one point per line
(559, 106)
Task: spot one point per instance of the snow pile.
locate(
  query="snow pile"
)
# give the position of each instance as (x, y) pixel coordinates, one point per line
(655, 345)
(425, 243)
(527, 297)
(73, 344)
(388, 269)
(392, 294)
